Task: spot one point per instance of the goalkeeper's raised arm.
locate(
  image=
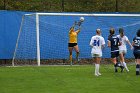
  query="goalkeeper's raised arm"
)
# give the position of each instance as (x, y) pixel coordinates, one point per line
(73, 27)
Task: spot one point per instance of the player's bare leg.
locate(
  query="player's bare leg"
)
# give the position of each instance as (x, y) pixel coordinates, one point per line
(123, 61)
(70, 54)
(114, 60)
(76, 48)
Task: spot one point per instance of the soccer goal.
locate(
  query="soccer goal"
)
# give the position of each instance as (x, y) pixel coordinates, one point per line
(43, 37)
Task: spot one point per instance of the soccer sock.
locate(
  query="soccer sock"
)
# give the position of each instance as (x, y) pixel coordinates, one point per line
(121, 66)
(137, 69)
(124, 64)
(97, 65)
(118, 64)
(115, 66)
(77, 55)
(70, 58)
(95, 69)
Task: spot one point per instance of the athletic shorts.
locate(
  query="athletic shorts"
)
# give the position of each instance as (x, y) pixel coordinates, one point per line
(122, 51)
(72, 44)
(114, 54)
(136, 54)
(96, 55)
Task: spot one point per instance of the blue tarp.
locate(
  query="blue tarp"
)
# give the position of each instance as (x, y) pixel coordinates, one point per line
(54, 34)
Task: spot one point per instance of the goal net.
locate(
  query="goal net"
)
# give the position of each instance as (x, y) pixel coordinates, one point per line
(43, 37)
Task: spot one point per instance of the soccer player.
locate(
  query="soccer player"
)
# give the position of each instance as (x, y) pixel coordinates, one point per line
(122, 48)
(97, 43)
(114, 43)
(136, 51)
(73, 41)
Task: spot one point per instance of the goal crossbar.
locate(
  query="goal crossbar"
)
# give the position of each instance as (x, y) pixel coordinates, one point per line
(82, 14)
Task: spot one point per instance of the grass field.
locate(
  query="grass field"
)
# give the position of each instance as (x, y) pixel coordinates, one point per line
(67, 79)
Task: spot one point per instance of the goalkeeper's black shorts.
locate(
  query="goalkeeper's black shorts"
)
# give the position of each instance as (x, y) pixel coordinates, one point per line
(72, 44)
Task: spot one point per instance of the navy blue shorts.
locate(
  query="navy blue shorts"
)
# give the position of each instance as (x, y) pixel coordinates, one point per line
(114, 54)
(136, 54)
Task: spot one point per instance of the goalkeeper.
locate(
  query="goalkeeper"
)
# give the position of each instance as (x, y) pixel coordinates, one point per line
(73, 41)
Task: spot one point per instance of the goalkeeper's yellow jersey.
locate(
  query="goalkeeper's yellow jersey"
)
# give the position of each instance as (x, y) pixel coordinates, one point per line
(73, 36)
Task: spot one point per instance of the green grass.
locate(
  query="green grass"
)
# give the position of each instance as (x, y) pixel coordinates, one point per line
(67, 79)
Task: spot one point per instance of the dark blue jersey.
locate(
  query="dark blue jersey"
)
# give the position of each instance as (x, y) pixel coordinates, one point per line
(114, 40)
(136, 41)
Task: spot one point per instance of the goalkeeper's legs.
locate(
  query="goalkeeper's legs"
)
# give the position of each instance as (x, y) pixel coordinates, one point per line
(70, 54)
(77, 52)
(77, 56)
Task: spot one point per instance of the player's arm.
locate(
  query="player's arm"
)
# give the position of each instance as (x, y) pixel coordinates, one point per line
(91, 43)
(108, 43)
(72, 28)
(103, 44)
(130, 44)
(119, 41)
(78, 30)
(127, 40)
(133, 42)
(79, 24)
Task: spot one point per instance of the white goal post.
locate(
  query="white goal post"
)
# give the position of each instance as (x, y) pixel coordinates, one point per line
(37, 20)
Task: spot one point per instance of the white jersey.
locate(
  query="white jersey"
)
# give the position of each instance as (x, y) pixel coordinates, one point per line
(124, 40)
(97, 42)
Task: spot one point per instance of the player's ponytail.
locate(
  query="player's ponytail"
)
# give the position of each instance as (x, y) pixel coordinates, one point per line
(121, 32)
(111, 31)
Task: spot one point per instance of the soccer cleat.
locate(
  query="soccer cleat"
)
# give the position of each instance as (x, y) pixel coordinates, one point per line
(137, 73)
(71, 63)
(96, 75)
(99, 74)
(127, 70)
(116, 70)
(77, 59)
(115, 66)
(122, 68)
